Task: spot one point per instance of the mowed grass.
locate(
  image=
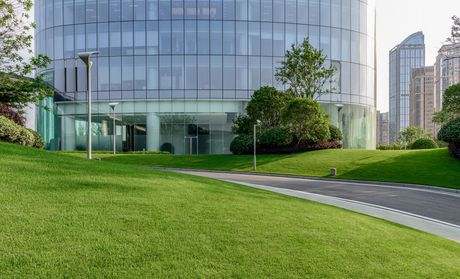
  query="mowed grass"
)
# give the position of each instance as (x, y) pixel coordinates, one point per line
(62, 216)
(428, 167)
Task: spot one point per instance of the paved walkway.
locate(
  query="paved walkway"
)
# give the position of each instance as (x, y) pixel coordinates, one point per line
(432, 210)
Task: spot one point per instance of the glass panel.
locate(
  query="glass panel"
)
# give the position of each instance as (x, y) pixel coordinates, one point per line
(114, 10)
(165, 37)
(254, 10)
(325, 12)
(152, 37)
(326, 41)
(79, 11)
(151, 9)
(229, 72)
(103, 74)
(266, 71)
(115, 73)
(126, 9)
(203, 9)
(302, 12)
(241, 72)
(266, 9)
(241, 38)
(165, 72)
(314, 12)
(229, 9)
(178, 72)
(103, 39)
(140, 82)
(278, 39)
(139, 9)
(229, 37)
(70, 76)
(102, 10)
(216, 9)
(254, 73)
(203, 37)
(216, 72)
(216, 37)
(152, 72)
(190, 72)
(336, 13)
(68, 42)
(177, 9)
(278, 10)
(203, 72)
(178, 37)
(241, 9)
(127, 38)
(80, 38)
(266, 39)
(91, 37)
(190, 8)
(164, 9)
(58, 43)
(254, 38)
(336, 41)
(115, 39)
(139, 37)
(68, 12)
(190, 37)
(58, 12)
(59, 75)
(290, 36)
(91, 11)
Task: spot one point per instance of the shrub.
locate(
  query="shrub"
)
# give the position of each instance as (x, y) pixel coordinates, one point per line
(242, 144)
(14, 133)
(167, 147)
(450, 132)
(266, 105)
(306, 121)
(336, 133)
(25, 138)
(424, 143)
(38, 140)
(275, 137)
(9, 131)
(394, 146)
(12, 114)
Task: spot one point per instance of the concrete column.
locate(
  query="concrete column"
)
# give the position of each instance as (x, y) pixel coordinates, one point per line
(153, 132)
(68, 133)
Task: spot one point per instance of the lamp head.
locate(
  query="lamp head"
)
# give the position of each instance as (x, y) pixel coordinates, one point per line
(85, 56)
(258, 122)
(113, 105)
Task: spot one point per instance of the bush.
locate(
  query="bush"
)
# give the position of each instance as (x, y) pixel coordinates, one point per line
(242, 144)
(394, 146)
(38, 140)
(450, 132)
(424, 143)
(275, 137)
(11, 114)
(336, 133)
(9, 131)
(14, 133)
(167, 147)
(306, 121)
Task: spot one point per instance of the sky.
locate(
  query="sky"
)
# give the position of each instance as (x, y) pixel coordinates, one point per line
(397, 19)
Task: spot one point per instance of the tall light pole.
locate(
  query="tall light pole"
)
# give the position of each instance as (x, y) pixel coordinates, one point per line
(86, 58)
(113, 106)
(254, 161)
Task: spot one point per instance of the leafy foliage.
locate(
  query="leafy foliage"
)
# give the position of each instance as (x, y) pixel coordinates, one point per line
(424, 143)
(11, 114)
(410, 134)
(17, 89)
(306, 120)
(265, 105)
(243, 125)
(242, 144)
(455, 31)
(395, 146)
(450, 132)
(14, 133)
(275, 137)
(336, 133)
(304, 71)
(450, 105)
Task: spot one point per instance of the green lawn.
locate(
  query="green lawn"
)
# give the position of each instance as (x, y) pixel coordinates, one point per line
(429, 167)
(63, 216)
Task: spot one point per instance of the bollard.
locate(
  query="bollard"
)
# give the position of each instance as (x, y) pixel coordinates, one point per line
(333, 172)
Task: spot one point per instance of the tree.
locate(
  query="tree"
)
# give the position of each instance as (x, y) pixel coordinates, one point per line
(266, 105)
(450, 105)
(306, 120)
(411, 134)
(304, 71)
(17, 88)
(455, 31)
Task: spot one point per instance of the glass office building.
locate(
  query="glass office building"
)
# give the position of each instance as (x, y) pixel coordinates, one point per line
(405, 57)
(182, 70)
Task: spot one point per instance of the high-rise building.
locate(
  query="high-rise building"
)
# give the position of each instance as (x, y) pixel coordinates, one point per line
(383, 127)
(422, 99)
(446, 71)
(404, 57)
(182, 70)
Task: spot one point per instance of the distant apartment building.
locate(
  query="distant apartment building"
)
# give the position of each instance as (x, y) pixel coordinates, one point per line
(446, 71)
(422, 99)
(383, 136)
(408, 55)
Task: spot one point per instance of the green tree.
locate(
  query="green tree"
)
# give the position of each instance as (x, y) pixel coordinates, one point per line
(17, 88)
(304, 71)
(450, 105)
(266, 105)
(411, 134)
(306, 120)
(455, 31)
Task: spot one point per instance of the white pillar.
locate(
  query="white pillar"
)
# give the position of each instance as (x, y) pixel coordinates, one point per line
(68, 133)
(153, 132)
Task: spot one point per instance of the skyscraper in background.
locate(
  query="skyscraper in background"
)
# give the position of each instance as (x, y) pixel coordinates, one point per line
(422, 99)
(404, 57)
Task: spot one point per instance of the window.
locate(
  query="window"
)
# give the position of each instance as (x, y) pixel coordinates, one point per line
(152, 72)
(178, 37)
(266, 9)
(266, 65)
(68, 12)
(229, 37)
(68, 42)
(229, 9)
(164, 11)
(114, 10)
(115, 73)
(216, 37)
(127, 38)
(91, 11)
(314, 12)
(216, 9)
(254, 38)
(216, 72)
(203, 72)
(58, 43)
(80, 11)
(203, 37)
(241, 9)
(102, 10)
(103, 74)
(58, 13)
(152, 37)
(91, 37)
(103, 39)
(139, 9)
(178, 72)
(241, 38)
(165, 37)
(241, 72)
(278, 39)
(139, 37)
(191, 72)
(190, 37)
(326, 12)
(254, 10)
(266, 39)
(302, 12)
(278, 10)
(151, 9)
(80, 38)
(291, 11)
(229, 72)
(165, 72)
(140, 82)
(126, 10)
(254, 73)
(115, 39)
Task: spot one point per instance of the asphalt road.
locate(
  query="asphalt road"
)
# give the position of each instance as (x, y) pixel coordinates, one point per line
(436, 204)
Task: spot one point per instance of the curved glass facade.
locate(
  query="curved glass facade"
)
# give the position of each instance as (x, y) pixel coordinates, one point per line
(181, 70)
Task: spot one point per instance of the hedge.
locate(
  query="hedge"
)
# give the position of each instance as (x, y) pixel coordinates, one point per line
(14, 133)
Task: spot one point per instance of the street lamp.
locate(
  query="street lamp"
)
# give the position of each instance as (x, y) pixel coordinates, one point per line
(254, 161)
(113, 106)
(86, 58)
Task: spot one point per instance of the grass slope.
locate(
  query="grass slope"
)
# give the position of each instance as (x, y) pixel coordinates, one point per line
(429, 167)
(62, 216)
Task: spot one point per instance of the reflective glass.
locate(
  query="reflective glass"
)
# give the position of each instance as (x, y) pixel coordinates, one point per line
(241, 38)
(229, 37)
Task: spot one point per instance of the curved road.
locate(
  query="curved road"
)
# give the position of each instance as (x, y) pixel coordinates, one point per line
(439, 206)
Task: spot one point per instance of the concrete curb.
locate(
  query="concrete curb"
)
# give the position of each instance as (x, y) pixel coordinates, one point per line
(378, 183)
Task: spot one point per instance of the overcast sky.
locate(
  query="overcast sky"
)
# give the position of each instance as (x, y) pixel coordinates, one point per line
(397, 19)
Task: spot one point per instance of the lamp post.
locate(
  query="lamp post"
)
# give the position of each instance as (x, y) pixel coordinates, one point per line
(86, 58)
(113, 106)
(254, 161)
